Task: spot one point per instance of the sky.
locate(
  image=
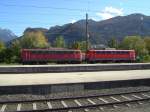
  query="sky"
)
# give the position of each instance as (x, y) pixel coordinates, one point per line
(17, 15)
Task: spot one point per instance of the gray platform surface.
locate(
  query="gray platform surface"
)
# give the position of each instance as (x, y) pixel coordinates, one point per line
(74, 77)
(60, 65)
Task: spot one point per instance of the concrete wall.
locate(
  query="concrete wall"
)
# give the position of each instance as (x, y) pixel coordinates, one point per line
(67, 88)
(47, 89)
(55, 69)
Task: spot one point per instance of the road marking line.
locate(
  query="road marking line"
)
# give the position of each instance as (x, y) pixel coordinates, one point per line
(92, 102)
(64, 104)
(49, 105)
(115, 99)
(136, 96)
(3, 108)
(34, 106)
(146, 95)
(105, 101)
(19, 107)
(125, 97)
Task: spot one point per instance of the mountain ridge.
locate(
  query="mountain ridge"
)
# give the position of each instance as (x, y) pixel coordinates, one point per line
(100, 31)
(6, 35)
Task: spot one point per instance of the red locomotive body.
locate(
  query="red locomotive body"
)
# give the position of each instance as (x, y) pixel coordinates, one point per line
(51, 55)
(110, 55)
(76, 56)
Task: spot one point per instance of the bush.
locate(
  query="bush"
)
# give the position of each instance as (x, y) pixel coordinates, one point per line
(146, 58)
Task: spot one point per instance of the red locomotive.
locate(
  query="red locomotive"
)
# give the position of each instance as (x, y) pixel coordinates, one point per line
(51, 55)
(110, 56)
(76, 56)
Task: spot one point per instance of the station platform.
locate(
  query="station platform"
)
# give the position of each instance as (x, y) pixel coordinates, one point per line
(66, 78)
(45, 83)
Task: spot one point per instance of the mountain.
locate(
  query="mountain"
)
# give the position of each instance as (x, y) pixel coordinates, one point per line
(100, 31)
(44, 30)
(6, 35)
(121, 26)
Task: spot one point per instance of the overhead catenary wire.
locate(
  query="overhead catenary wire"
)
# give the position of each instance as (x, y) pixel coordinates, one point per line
(40, 13)
(48, 7)
(43, 13)
(22, 22)
(77, 1)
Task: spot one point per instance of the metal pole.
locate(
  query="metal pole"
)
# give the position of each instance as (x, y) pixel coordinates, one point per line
(87, 34)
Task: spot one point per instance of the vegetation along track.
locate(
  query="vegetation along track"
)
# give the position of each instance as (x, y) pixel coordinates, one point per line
(70, 104)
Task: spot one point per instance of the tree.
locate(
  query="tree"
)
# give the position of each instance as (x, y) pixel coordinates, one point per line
(83, 45)
(11, 54)
(2, 46)
(34, 40)
(136, 43)
(8, 56)
(146, 58)
(60, 43)
(16, 49)
(2, 50)
(147, 42)
(76, 45)
(113, 43)
(79, 45)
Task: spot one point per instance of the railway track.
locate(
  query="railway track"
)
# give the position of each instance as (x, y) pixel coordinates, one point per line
(71, 104)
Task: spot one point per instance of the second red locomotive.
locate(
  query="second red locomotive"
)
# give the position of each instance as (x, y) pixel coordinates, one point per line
(110, 56)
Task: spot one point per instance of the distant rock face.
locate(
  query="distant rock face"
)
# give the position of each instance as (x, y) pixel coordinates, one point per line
(102, 31)
(44, 30)
(6, 35)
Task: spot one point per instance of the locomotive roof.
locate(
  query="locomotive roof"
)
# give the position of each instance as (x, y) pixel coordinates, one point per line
(109, 50)
(52, 49)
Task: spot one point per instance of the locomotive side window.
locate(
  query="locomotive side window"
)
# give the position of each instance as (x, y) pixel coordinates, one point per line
(53, 52)
(47, 52)
(103, 52)
(100, 52)
(40, 52)
(108, 52)
(97, 52)
(126, 52)
(113, 52)
(121, 52)
(34, 52)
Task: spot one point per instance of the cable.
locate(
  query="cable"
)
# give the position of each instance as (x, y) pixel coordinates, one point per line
(39, 13)
(43, 7)
(48, 7)
(24, 23)
(77, 1)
